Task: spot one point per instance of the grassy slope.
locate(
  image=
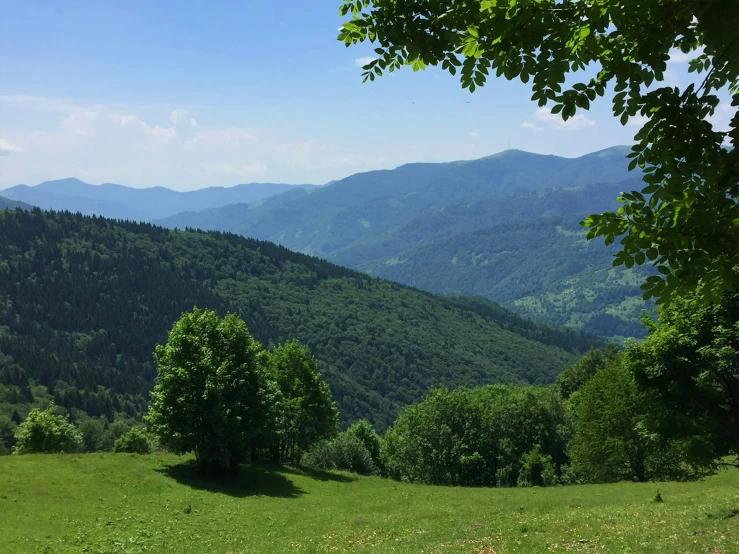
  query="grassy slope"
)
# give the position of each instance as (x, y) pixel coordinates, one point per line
(125, 503)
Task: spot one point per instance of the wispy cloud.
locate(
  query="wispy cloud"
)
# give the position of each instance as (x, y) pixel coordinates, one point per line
(530, 126)
(678, 56)
(6, 148)
(555, 121)
(364, 60)
(158, 136)
(474, 134)
(221, 137)
(180, 116)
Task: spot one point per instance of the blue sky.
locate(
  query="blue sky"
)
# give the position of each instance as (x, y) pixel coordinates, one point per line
(189, 94)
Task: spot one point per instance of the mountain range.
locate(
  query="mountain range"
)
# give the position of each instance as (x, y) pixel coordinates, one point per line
(504, 227)
(147, 204)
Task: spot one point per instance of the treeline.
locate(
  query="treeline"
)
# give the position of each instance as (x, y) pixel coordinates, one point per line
(663, 409)
(84, 301)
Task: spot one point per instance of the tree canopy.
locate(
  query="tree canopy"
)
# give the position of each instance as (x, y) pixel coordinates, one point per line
(691, 360)
(211, 396)
(686, 218)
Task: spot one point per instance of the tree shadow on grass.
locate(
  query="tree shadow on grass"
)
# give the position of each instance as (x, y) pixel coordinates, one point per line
(318, 474)
(250, 481)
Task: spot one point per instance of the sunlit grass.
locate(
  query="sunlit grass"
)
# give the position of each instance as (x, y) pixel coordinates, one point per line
(123, 503)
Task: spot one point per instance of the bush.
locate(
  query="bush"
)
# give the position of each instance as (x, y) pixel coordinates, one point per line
(345, 452)
(537, 470)
(46, 432)
(7, 435)
(92, 433)
(365, 432)
(475, 437)
(135, 441)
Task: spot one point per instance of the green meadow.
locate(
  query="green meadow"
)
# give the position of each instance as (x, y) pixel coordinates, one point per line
(122, 503)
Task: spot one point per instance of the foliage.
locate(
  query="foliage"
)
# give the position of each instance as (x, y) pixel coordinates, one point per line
(617, 432)
(212, 396)
(135, 441)
(474, 437)
(144, 499)
(537, 470)
(46, 431)
(306, 412)
(690, 360)
(575, 376)
(7, 435)
(365, 432)
(345, 452)
(686, 218)
(84, 301)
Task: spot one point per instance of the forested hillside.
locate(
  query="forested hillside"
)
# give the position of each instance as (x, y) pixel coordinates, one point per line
(84, 300)
(504, 227)
(527, 252)
(6, 203)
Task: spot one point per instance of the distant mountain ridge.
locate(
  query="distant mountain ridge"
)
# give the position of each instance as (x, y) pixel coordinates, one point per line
(6, 204)
(147, 204)
(333, 217)
(504, 227)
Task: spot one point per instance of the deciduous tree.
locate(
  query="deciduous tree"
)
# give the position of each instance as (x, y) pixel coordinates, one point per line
(212, 395)
(686, 218)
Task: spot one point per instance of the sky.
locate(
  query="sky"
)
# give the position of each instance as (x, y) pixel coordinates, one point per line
(190, 94)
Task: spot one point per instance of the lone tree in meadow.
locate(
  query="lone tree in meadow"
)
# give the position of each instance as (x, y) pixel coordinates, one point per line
(686, 218)
(212, 395)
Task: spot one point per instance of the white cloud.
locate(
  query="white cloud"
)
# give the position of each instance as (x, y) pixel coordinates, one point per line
(221, 137)
(158, 136)
(721, 118)
(637, 121)
(473, 134)
(678, 56)
(361, 62)
(555, 121)
(530, 126)
(239, 170)
(180, 116)
(7, 148)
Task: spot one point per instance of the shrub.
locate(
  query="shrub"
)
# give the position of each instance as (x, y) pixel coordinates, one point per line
(46, 431)
(135, 441)
(345, 452)
(537, 470)
(92, 433)
(7, 435)
(365, 432)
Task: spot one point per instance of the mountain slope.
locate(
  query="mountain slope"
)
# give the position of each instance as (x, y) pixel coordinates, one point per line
(120, 202)
(504, 227)
(528, 253)
(84, 300)
(12, 204)
(368, 204)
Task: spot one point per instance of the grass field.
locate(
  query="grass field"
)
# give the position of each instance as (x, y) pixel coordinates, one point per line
(124, 503)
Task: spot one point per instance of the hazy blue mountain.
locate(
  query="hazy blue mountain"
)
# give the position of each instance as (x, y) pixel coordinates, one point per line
(504, 227)
(11, 204)
(336, 216)
(118, 201)
(528, 253)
